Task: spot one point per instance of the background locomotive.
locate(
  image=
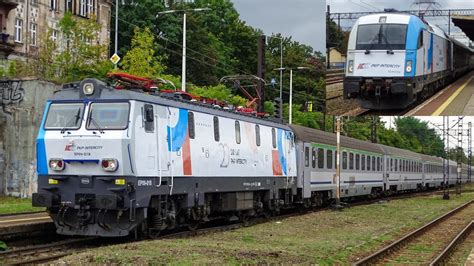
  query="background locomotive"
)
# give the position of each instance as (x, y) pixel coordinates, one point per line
(111, 162)
(395, 59)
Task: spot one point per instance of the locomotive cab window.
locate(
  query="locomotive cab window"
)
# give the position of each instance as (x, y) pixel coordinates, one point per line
(420, 39)
(149, 118)
(64, 116)
(381, 37)
(216, 129)
(108, 116)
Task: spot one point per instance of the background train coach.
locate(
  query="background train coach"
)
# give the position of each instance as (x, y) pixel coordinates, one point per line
(395, 59)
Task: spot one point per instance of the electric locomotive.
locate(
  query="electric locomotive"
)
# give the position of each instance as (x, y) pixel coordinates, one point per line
(394, 60)
(111, 162)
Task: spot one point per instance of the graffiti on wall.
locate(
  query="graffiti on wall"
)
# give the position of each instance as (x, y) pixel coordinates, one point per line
(11, 94)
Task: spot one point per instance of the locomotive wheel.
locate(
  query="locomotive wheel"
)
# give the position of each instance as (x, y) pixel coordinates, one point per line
(193, 225)
(154, 234)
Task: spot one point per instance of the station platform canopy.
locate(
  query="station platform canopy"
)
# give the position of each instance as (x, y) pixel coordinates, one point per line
(466, 24)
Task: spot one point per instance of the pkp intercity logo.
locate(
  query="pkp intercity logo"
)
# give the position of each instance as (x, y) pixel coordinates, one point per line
(69, 146)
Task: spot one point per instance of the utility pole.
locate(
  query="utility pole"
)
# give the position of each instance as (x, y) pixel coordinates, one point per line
(446, 161)
(116, 28)
(183, 66)
(328, 15)
(338, 162)
(459, 155)
(261, 72)
(469, 151)
(290, 105)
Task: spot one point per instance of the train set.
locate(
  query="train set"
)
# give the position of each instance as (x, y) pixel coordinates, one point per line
(394, 60)
(114, 161)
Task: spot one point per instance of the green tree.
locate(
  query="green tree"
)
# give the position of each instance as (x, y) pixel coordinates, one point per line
(141, 60)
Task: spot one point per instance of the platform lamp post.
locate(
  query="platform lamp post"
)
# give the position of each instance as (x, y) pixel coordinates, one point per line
(290, 103)
(183, 11)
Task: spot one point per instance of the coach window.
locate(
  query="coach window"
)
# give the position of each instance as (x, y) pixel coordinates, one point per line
(344, 160)
(191, 129)
(396, 165)
(373, 163)
(216, 128)
(237, 132)
(368, 162)
(313, 157)
(378, 164)
(363, 162)
(329, 159)
(357, 162)
(351, 161)
(149, 118)
(257, 134)
(274, 142)
(306, 156)
(320, 158)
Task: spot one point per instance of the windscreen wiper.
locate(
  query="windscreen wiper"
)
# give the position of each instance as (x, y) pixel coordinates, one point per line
(91, 119)
(376, 37)
(390, 51)
(76, 116)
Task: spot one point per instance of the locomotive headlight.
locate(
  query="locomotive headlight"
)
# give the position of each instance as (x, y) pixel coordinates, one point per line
(350, 67)
(56, 165)
(88, 88)
(109, 165)
(408, 67)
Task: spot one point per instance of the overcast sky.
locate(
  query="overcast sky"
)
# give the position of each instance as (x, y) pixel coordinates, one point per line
(436, 122)
(379, 5)
(304, 20)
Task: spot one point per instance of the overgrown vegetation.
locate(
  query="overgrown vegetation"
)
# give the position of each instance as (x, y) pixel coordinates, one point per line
(16, 205)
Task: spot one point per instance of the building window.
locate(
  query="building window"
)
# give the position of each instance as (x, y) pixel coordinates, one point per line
(82, 10)
(54, 35)
(18, 30)
(90, 7)
(68, 5)
(34, 2)
(33, 34)
(53, 4)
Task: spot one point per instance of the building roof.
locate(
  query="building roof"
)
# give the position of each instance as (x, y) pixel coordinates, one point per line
(466, 24)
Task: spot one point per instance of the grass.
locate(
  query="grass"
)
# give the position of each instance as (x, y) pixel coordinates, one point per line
(16, 205)
(326, 238)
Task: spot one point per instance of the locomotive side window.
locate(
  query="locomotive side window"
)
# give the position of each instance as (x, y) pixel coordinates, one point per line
(216, 129)
(191, 128)
(237, 132)
(108, 116)
(329, 159)
(420, 40)
(344, 160)
(313, 157)
(274, 143)
(306, 156)
(363, 160)
(357, 161)
(320, 158)
(64, 116)
(257, 134)
(149, 118)
(351, 161)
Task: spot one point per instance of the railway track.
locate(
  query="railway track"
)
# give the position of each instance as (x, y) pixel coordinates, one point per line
(428, 244)
(334, 76)
(41, 253)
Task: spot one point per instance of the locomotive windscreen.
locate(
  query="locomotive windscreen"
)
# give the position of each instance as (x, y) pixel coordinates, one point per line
(108, 116)
(381, 37)
(64, 116)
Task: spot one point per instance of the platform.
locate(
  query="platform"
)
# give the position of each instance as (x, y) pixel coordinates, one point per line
(21, 224)
(470, 259)
(454, 100)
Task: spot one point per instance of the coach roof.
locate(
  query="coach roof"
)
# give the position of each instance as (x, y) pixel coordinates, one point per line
(317, 136)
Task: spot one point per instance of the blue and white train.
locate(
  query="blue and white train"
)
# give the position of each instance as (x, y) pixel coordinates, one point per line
(111, 162)
(393, 60)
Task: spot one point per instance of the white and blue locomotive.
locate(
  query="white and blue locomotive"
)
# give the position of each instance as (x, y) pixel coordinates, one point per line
(394, 60)
(111, 162)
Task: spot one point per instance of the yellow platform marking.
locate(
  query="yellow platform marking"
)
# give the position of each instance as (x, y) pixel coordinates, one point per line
(25, 219)
(451, 98)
